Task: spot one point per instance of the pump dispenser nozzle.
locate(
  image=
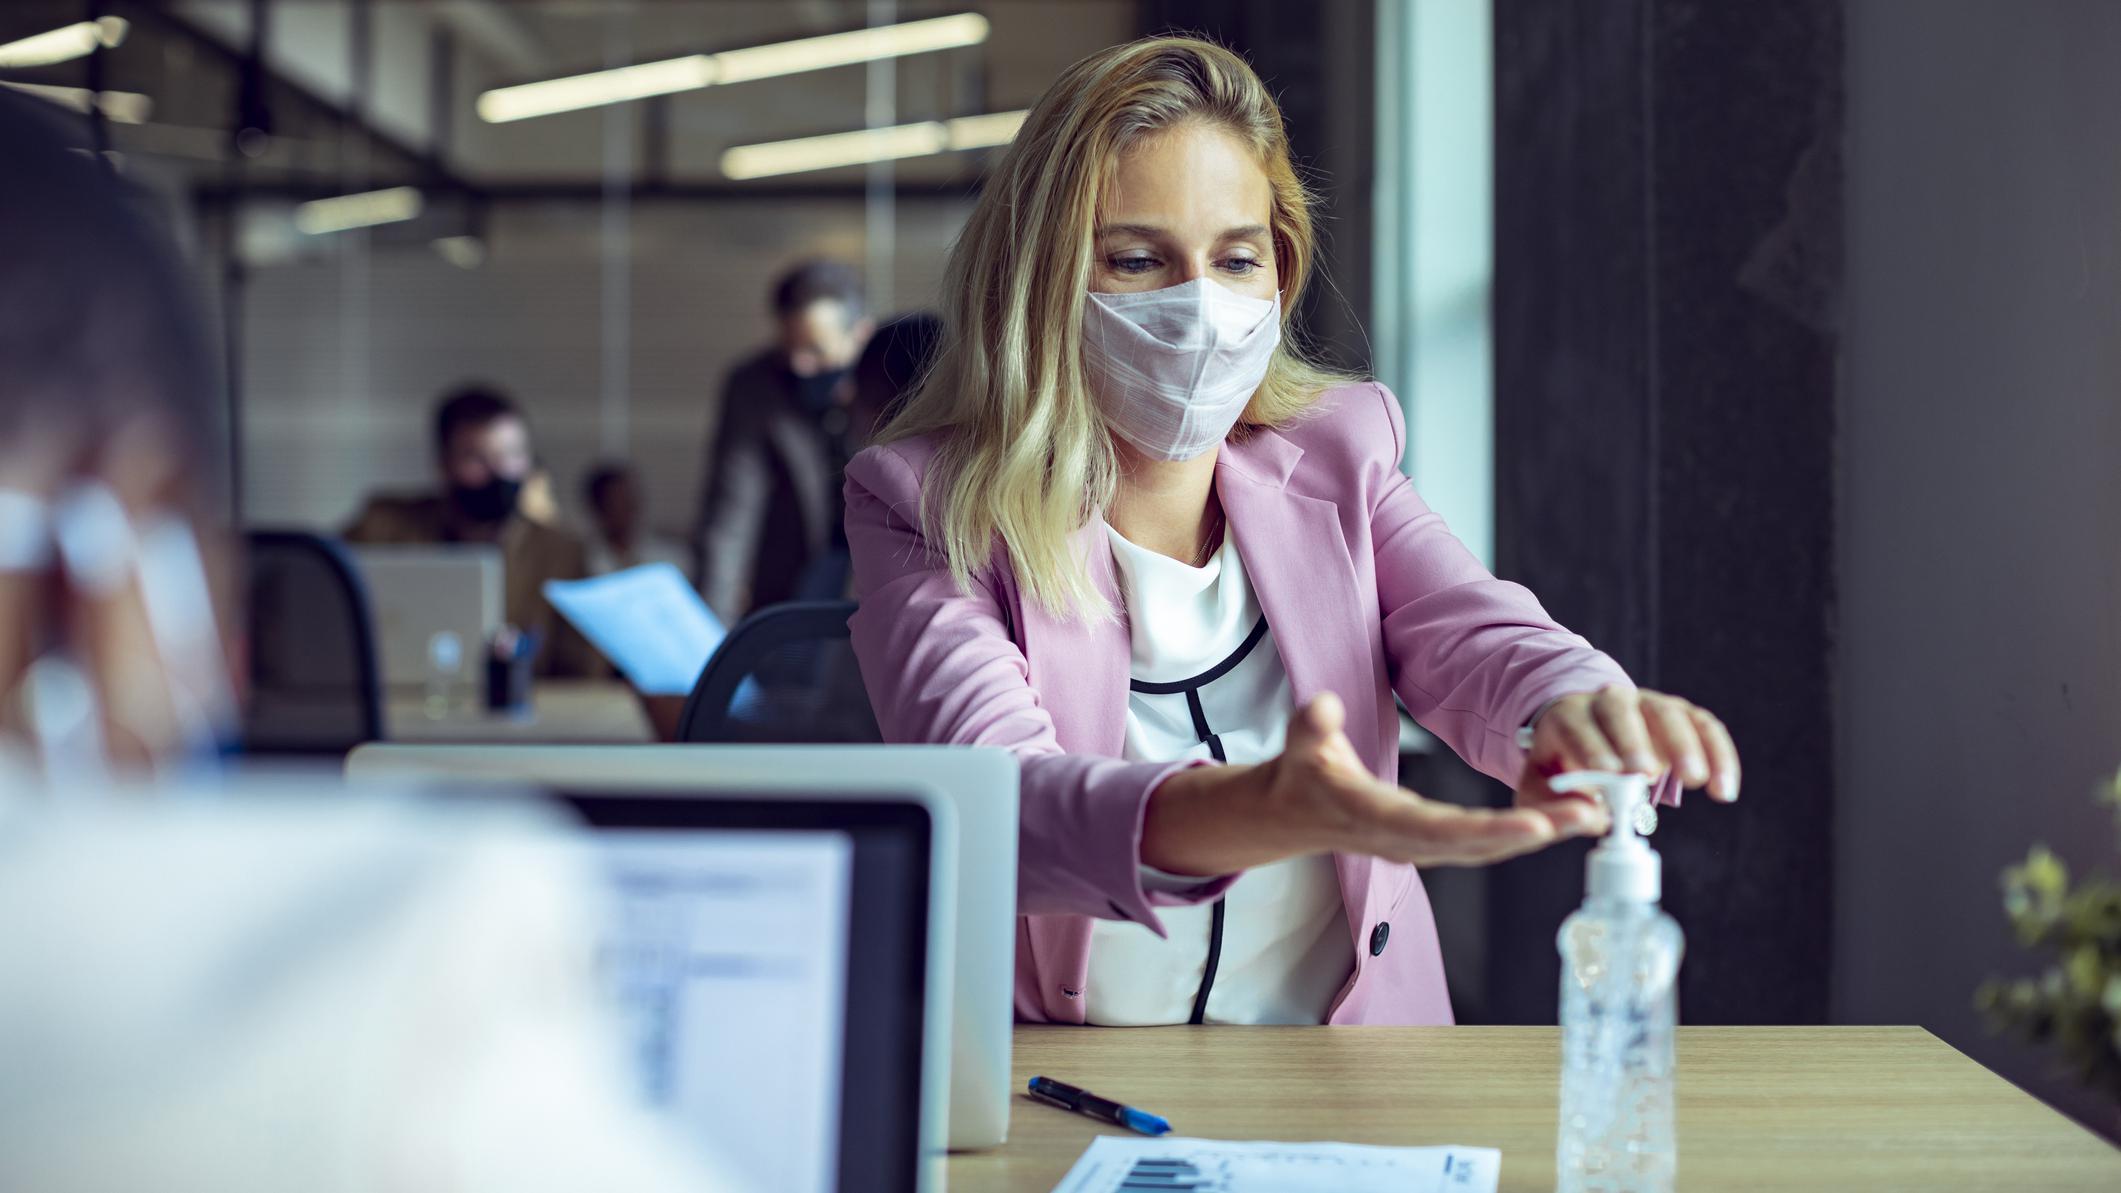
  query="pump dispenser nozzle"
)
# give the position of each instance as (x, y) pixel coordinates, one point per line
(1623, 866)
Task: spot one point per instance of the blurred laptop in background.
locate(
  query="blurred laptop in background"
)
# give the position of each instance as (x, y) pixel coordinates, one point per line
(436, 610)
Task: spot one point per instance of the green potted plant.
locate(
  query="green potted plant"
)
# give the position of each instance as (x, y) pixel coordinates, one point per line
(2073, 1007)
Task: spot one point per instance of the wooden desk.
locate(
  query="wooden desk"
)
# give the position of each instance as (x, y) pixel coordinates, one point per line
(1858, 1108)
(562, 712)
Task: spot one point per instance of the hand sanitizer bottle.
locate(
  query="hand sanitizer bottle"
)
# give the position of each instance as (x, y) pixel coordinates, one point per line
(1619, 970)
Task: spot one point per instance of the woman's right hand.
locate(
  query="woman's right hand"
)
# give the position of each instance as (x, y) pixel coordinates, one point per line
(1317, 797)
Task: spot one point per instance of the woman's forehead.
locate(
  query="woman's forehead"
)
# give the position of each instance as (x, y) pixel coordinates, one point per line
(1189, 178)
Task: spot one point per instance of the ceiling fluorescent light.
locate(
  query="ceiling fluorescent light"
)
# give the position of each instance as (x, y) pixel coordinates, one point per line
(342, 212)
(846, 49)
(835, 149)
(863, 146)
(695, 71)
(65, 44)
(121, 107)
(979, 132)
(522, 102)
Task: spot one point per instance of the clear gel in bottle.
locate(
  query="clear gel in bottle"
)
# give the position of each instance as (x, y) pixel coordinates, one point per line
(1619, 974)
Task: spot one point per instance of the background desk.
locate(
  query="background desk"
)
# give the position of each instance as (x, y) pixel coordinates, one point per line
(1858, 1108)
(562, 712)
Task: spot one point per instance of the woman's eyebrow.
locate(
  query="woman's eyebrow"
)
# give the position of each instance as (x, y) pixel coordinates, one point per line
(1153, 232)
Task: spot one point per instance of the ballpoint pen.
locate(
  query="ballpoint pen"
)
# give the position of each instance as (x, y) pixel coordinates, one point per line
(1082, 1101)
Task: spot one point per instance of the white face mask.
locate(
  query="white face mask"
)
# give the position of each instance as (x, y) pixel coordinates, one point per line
(99, 550)
(1174, 368)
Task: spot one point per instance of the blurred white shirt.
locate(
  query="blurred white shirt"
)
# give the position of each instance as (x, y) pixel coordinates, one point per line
(602, 558)
(302, 990)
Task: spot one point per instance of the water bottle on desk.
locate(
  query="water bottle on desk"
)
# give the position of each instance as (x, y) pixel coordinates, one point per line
(1619, 1006)
(445, 663)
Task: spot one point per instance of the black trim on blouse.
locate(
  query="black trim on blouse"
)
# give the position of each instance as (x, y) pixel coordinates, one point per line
(1191, 689)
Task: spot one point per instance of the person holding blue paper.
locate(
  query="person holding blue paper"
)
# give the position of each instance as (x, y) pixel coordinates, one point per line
(620, 534)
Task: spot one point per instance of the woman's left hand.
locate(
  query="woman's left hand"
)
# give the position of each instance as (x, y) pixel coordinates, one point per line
(1630, 731)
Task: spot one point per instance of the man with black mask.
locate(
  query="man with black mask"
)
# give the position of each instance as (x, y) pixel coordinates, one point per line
(771, 506)
(483, 452)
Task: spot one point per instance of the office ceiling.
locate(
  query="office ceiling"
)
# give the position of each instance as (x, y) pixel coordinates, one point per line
(415, 122)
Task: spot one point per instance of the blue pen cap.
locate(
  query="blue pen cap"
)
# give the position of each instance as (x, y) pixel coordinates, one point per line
(1143, 1121)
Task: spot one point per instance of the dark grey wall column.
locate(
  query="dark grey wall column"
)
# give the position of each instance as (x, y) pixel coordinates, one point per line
(1317, 60)
(1981, 514)
(1667, 263)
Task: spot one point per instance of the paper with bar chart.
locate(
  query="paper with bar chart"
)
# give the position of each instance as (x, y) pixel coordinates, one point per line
(1117, 1164)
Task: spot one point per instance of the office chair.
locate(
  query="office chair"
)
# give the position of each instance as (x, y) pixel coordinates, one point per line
(785, 674)
(314, 683)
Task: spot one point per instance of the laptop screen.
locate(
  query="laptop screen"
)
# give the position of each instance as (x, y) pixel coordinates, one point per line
(768, 957)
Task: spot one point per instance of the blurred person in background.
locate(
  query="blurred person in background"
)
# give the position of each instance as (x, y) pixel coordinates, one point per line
(484, 458)
(209, 990)
(621, 537)
(891, 369)
(771, 502)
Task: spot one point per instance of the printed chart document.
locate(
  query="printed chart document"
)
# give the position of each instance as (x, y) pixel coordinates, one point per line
(1127, 1164)
(647, 620)
(728, 959)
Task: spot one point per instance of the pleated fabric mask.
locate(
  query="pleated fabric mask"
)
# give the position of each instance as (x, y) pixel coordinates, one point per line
(1173, 369)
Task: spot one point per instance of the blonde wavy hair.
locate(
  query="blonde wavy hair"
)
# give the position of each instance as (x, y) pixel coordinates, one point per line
(1024, 453)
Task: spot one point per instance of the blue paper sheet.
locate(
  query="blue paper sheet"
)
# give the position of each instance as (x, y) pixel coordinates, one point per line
(647, 621)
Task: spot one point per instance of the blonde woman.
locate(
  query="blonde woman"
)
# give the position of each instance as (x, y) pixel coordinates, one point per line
(1126, 531)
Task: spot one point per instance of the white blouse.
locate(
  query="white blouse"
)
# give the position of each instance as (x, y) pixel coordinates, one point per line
(1208, 683)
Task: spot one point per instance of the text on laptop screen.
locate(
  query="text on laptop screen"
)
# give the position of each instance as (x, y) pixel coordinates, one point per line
(727, 956)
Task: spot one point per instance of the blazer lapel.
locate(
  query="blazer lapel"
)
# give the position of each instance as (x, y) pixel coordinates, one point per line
(1295, 558)
(1079, 666)
(1299, 568)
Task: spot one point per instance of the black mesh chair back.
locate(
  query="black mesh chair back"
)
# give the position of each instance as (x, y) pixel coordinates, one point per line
(786, 674)
(314, 684)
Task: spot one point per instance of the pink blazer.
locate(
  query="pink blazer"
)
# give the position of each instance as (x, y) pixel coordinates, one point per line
(1366, 594)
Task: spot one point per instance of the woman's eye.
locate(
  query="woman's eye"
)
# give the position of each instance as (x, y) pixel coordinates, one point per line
(1240, 265)
(1132, 264)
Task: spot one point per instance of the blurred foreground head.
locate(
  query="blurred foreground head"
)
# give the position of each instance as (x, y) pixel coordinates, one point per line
(110, 623)
(238, 987)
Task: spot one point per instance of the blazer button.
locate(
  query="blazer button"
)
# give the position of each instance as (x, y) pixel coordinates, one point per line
(1378, 936)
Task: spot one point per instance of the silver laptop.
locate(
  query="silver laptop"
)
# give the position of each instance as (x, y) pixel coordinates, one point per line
(435, 609)
(980, 783)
